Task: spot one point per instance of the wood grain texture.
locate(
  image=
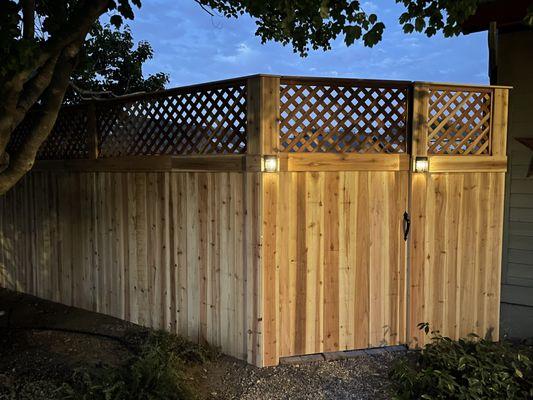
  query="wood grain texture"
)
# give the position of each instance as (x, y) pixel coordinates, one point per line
(455, 252)
(334, 261)
(174, 251)
(467, 164)
(302, 162)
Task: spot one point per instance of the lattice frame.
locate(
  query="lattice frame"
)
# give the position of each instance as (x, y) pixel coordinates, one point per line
(67, 141)
(205, 121)
(459, 121)
(343, 118)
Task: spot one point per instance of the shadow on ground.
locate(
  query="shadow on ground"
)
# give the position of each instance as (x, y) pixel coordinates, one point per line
(42, 343)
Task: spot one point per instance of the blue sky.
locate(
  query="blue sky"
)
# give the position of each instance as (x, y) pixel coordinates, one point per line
(194, 47)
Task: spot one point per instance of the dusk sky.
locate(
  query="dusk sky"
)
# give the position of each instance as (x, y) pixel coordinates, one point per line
(194, 47)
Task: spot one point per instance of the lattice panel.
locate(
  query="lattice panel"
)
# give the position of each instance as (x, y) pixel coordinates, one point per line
(207, 121)
(68, 139)
(459, 122)
(342, 119)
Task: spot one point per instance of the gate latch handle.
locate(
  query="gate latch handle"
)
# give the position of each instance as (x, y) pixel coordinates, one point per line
(406, 225)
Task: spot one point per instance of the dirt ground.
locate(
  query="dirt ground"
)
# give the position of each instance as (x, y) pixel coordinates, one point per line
(42, 343)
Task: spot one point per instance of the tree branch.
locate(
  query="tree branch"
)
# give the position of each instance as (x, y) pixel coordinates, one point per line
(97, 95)
(82, 21)
(28, 18)
(205, 8)
(22, 162)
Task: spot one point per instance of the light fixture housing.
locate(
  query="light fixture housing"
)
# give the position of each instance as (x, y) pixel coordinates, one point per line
(421, 164)
(270, 164)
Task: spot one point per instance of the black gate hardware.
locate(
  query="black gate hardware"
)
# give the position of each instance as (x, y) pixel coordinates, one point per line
(406, 225)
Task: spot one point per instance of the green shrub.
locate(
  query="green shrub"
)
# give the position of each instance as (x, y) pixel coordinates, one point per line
(155, 373)
(470, 368)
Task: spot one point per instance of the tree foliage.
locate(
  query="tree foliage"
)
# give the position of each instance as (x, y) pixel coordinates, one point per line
(42, 43)
(305, 24)
(430, 17)
(111, 64)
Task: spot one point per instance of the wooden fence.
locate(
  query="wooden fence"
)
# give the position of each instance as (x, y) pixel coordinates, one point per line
(161, 209)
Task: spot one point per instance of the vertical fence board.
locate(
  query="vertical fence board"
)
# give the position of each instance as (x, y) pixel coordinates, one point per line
(455, 274)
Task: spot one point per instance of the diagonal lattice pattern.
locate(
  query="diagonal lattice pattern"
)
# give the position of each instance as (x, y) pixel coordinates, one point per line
(459, 122)
(67, 141)
(341, 118)
(208, 121)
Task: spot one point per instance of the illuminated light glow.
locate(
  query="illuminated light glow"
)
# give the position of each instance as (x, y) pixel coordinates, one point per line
(421, 164)
(270, 163)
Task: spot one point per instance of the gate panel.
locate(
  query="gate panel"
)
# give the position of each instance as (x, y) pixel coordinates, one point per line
(336, 279)
(456, 254)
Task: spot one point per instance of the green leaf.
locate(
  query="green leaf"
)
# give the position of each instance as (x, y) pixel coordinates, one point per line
(408, 28)
(419, 24)
(116, 21)
(352, 33)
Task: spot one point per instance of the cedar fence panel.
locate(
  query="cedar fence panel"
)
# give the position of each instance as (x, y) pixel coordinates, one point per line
(157, 208)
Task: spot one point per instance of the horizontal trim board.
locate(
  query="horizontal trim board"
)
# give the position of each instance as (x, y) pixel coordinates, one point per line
(460, 86)
(227, 163)
(300, 162)
(296, 162)
(467, 164)
(208, 163)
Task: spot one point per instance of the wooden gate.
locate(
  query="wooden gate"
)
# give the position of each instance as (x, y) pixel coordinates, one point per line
(457, 211)
(336, 279)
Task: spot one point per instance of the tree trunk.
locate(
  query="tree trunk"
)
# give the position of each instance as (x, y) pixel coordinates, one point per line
(40, 87)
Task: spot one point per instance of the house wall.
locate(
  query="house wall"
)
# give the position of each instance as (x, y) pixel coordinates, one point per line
(168, 250)
(515, 60)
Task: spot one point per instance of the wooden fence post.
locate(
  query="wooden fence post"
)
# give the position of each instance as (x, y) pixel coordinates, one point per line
(92, 131)
(420, 104)
(500, 105)
(417, 210)
(263, 115)
(263, 100)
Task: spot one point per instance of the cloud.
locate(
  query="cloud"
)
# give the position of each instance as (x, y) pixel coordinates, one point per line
(241, 53)
(193, 47)
(369, 7)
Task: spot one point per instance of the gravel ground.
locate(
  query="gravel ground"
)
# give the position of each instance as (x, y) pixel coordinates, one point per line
(35, 362)
(363, 377)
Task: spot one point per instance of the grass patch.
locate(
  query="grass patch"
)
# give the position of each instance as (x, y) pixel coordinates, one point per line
(470, 368)
(156, 371)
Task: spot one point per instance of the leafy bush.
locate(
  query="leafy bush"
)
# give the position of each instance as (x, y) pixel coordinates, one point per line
(155, 372)
(470, 368)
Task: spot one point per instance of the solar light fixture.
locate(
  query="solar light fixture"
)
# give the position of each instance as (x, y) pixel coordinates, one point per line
(270, 163)
(421, 164)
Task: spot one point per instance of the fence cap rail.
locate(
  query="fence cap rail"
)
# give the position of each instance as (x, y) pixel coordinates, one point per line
(460, 85)
(284, 79)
